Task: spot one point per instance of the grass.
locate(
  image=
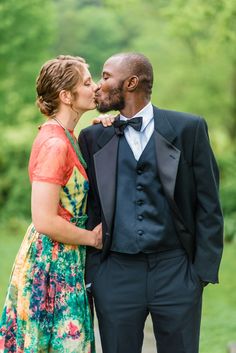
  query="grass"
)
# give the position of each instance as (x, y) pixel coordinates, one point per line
(219, 306)
(10, 239)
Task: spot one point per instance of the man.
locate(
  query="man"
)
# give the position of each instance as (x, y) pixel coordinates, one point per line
(154, 185)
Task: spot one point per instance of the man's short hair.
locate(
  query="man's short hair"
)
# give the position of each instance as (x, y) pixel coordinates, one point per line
(139, 65)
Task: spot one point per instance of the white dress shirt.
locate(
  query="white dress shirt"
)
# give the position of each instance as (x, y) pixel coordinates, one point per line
(138, 140)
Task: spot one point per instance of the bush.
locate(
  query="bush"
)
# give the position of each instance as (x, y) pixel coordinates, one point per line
(14, 183)
(227, 166)
(230, 227)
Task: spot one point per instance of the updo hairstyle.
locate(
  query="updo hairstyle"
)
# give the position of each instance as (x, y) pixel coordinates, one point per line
(63, 73)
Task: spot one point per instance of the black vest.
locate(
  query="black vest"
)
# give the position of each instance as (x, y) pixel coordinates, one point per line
(143, 221)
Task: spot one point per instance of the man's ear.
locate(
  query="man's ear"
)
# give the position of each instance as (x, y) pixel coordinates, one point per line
(65, 96)
(132, 83)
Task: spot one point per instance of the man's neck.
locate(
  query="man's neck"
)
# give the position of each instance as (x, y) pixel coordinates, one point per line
(132, 108)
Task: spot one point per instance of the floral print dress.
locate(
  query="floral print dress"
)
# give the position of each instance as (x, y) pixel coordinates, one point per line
(46, 308)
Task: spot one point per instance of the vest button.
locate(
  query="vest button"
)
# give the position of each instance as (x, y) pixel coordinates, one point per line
(140, 202)
(140, 232)
(140, 217)
(139, 187)
(139, 171)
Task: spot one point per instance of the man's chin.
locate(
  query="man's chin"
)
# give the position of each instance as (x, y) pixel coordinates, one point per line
(102, 109)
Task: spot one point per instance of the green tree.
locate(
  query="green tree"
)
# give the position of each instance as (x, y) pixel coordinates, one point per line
(208, 30)
(25, 43)
(92, 31)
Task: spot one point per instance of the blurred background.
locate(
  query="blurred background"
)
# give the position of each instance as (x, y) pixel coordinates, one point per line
(191, 44)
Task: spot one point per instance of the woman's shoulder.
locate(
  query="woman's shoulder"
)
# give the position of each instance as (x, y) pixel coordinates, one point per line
(50, 135)
(49, 143)
(49, 159)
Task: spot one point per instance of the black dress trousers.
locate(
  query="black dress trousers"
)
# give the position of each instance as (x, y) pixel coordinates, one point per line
(127, 288)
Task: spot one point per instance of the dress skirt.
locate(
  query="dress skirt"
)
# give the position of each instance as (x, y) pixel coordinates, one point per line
(46, 308)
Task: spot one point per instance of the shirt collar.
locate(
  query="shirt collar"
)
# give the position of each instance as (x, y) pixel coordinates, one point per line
(146, 113)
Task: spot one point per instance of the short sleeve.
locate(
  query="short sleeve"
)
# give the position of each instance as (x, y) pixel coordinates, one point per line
(48, 162)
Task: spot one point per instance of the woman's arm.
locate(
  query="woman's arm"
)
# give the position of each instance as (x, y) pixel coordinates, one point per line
(44, 207)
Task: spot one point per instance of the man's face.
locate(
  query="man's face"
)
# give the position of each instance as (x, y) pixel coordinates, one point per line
(110, 92)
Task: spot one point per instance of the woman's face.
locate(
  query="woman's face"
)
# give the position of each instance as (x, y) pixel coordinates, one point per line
(84, 93)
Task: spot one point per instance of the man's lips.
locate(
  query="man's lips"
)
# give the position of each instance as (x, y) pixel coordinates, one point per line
(97, 97)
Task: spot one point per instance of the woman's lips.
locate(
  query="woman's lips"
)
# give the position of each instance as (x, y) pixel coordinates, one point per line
(96, 97)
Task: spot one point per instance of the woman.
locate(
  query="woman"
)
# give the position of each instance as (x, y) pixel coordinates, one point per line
(46, 308)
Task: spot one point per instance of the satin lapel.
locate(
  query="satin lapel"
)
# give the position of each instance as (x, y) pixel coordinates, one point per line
(167, 154)
(105, 161)
(167, 161)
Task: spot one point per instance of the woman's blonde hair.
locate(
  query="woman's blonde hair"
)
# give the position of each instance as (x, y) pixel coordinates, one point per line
(63, 73)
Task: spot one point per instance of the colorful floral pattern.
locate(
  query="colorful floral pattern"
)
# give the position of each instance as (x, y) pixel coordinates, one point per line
(46, 308)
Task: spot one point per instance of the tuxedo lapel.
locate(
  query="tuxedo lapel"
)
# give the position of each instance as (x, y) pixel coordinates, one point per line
(167, 154)
(105, 161)
(168, 157)
(167, 161)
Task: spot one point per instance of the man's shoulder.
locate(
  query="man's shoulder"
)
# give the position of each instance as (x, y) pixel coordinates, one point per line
(96, 134)
(94, 130)
(179, 117)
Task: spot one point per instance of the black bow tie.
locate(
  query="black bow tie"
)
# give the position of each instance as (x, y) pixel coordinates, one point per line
(120, 125)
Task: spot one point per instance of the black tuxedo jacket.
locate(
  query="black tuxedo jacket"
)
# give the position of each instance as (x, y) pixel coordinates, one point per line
(189, 176)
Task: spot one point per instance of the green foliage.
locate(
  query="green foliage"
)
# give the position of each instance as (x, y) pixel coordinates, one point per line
(14, 183)
(203, 23)
(218, 322)
(24, 44)
(12, 232)
(230, 227)
(208, 31)
(228, 194)
(93, 32)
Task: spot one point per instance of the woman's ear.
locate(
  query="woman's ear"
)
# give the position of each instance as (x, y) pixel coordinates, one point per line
(65, 97)
(132, 83)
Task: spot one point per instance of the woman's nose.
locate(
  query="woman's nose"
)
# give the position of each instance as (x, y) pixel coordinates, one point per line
(97, 86)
